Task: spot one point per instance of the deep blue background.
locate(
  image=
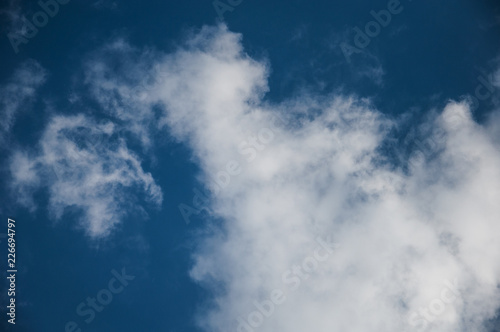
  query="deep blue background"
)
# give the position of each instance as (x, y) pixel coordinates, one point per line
(431, 51)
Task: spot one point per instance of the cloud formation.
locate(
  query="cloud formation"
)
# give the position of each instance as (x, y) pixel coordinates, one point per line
(18, 92)
(86, 167)
(417, 245)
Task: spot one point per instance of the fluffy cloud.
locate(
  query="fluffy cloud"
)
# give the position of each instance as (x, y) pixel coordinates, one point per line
(17, 92)
(417, 245)
(86, 167)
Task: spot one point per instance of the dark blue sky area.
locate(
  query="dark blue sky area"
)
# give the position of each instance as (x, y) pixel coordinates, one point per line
(430, 52)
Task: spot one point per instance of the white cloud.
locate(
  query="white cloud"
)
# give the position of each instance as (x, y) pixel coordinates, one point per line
(118, 77)
(17, 92)
(404, 237)
(85, 167)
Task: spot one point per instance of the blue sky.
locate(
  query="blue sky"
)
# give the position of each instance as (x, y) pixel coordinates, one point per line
(251, 165)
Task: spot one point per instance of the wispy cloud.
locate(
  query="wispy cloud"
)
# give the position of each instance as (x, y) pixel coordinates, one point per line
(119, 76)
(18, 92)
(87, 167)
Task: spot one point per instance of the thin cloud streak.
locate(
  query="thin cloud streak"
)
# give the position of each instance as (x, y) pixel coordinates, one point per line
(85, 166)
